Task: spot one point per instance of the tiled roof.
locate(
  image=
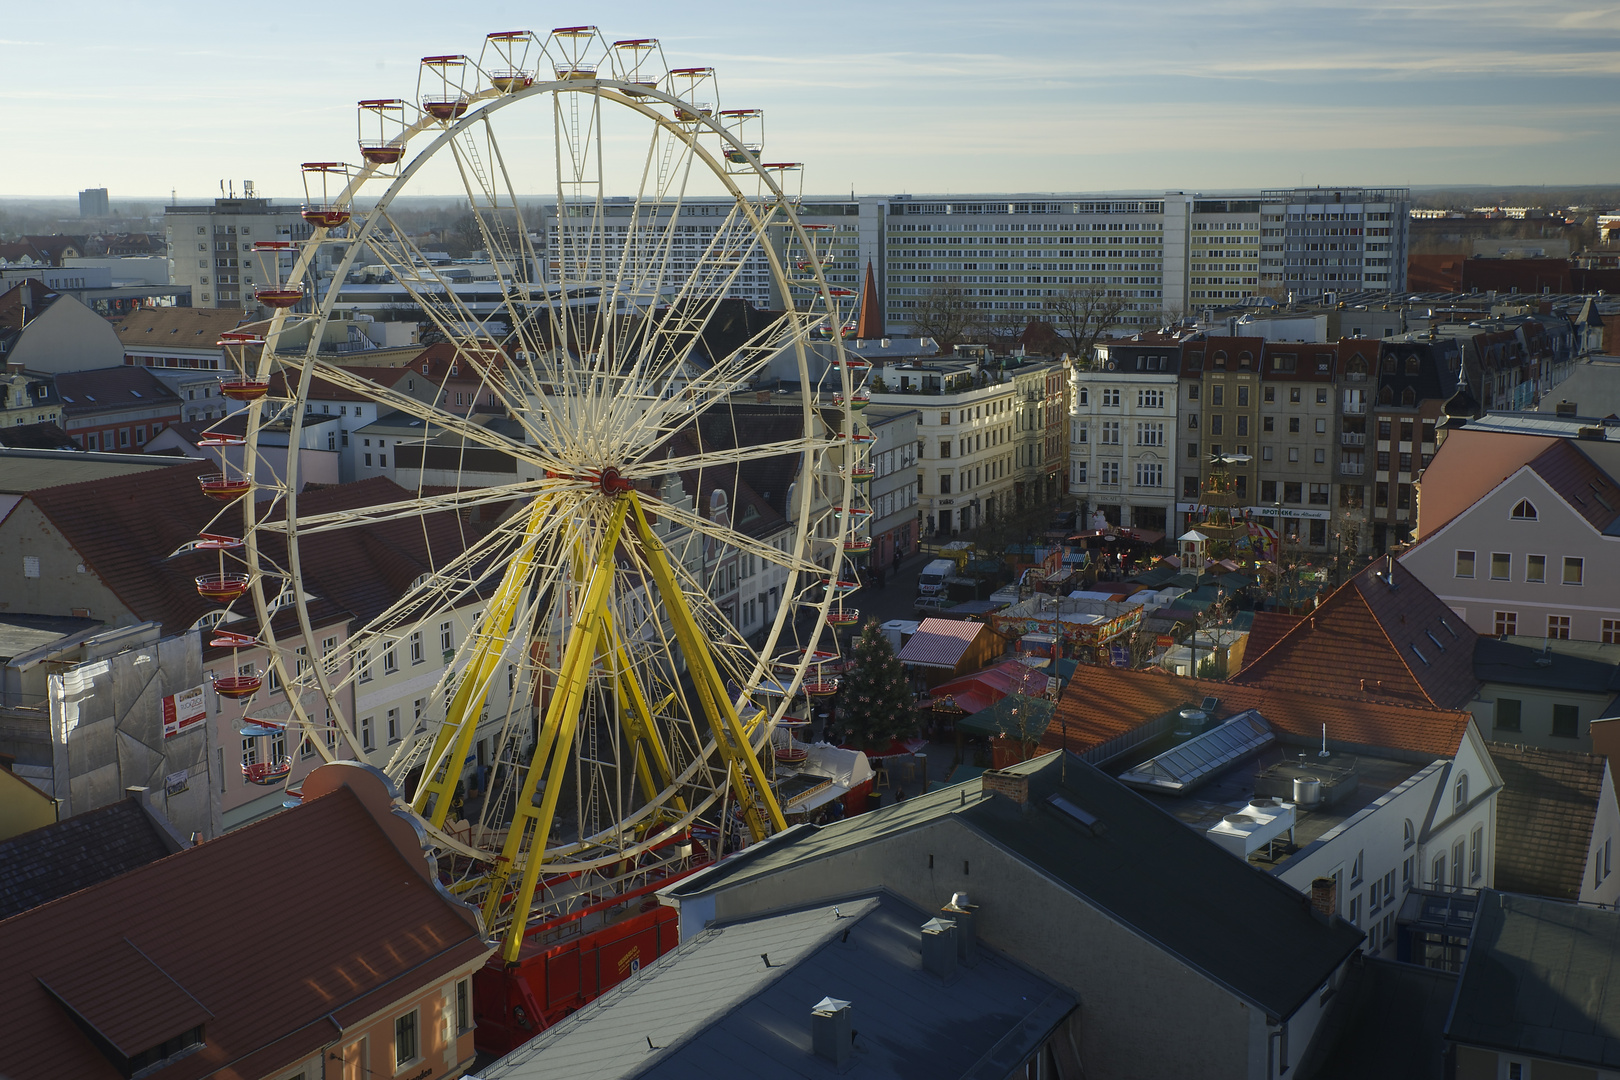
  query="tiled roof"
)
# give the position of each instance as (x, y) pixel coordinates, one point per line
(85, 393)
(1578, 480)
(126, 534)
(1374, 638)
(984, 688)
(1102, 703)
(178, 327)
(1266, 630)
(321, 390)
(281, 971)
(39, 866)
(940, 642)
(1544, 817)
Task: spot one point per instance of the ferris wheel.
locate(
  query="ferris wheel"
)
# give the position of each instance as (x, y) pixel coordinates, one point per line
(603, 433)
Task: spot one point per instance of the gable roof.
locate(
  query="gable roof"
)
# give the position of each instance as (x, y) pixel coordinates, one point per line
(1266, 630)
(1407, 645)
(1236, 926)
(984, 688)
(189, 926)
(1535, 979)
(1544, 816)
(178, 327)
(128, 535)
(1101, 704)
(711, 1008)
(85, 393)
(940, 643)
(1577, 479)
(39, 866)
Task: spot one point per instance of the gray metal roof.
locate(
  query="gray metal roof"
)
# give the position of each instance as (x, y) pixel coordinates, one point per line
(30, 470)
(1537, 981)
(1240, 927)
(713, 1008)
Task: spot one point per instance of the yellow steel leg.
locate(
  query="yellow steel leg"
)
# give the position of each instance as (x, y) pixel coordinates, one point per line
(556, 738)
(455, 736)
(759, 805)
(637, 720)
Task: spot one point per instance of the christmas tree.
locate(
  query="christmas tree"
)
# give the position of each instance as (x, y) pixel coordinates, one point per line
(874, 702)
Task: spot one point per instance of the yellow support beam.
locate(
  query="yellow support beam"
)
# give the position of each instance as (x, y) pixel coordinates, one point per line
(637, 720)
(748, 781)
(551, 752)
(451, 744)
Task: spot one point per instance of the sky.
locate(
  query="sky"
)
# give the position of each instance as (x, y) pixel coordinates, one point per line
(875, 97)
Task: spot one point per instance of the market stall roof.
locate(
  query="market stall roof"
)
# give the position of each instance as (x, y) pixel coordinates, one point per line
(1135, 536)
(940, 643)
(980, 690)
(1016, 717)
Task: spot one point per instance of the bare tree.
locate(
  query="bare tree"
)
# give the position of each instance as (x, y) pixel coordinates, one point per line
(946, 317)
(1070, 319)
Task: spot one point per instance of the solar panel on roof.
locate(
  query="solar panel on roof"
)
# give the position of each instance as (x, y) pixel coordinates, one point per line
(1181, 768)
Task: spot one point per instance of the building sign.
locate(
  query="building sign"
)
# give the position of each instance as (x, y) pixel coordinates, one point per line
(183, 710)
(175, 783)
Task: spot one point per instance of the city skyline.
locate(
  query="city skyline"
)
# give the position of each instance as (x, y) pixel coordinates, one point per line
(1030, 97)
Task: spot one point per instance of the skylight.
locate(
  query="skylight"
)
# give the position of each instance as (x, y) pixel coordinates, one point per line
(1182, 768)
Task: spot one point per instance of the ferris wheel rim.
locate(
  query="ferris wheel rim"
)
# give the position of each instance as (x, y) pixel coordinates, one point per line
(400, 184)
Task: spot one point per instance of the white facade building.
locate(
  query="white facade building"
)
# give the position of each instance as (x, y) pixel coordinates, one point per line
(1122, 435)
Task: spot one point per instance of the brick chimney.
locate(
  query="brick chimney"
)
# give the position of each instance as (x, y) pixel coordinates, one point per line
(1325, 896)
(1000, 782)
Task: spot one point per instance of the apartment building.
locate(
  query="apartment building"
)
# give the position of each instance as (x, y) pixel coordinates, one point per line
(1334, 240)
(1123, 433)
(968, 437)
(894, 483)
(1219, 415)
(1002, 256)
(210, 246)
(1223, 251)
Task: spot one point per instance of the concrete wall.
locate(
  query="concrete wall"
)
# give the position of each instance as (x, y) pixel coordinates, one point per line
(1536, 715)
(1142, 1012)
(1601, 885)
(1466, 466)
(107, 729)
(68, 336)
(1377, 837)
(65, 585)
(1558, 531)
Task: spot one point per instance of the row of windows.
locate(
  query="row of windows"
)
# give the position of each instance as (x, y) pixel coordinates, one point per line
(1535, 567)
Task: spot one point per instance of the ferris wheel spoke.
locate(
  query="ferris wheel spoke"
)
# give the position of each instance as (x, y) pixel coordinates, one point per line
(725, 457)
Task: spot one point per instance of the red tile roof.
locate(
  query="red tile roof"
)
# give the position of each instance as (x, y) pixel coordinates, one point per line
(1372, 641)
(940, 642)
(1101, 703)
(984, 688)
(126, 533)
(1588, 490)
(208, 936)
(1269, 626)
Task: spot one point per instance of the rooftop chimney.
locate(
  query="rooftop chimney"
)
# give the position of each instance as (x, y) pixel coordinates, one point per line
(1325, 896)
(1566, 408)
(830, 1033)
(1013, 785)
(939, 948)
(963, 914)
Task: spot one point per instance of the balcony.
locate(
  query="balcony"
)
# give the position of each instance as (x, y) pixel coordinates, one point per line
(1352, 468)
(1352, 438)
(1355, 408)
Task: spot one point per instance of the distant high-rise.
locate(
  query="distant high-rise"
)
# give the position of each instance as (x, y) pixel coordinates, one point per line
(93, 203)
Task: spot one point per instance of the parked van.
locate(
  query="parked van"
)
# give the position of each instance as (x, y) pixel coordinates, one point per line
(931, 582)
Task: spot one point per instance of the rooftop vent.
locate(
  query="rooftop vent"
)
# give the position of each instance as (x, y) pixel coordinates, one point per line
(1256, 826)
(831, 1036)
(1565, 408)
(939, 947)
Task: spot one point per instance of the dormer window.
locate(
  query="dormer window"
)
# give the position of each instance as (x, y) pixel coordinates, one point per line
(1525, 510)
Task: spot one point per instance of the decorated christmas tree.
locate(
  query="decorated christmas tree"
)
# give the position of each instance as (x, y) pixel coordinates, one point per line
(874, 702)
